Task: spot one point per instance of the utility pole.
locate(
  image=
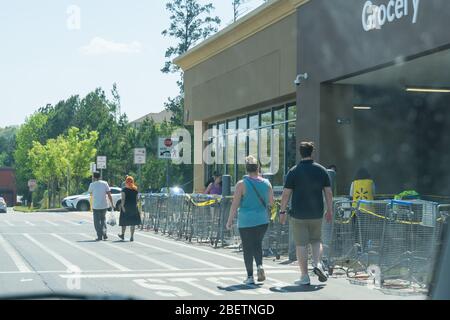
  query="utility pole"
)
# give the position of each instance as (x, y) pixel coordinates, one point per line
(167, 175)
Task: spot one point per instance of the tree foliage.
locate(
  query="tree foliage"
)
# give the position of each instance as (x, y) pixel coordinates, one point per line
(190, 22)
(57, 144)
(7, 146)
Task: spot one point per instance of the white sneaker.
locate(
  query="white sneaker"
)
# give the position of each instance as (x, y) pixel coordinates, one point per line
(249, 281)
(304, 281)
(261, 274)
(320, 272)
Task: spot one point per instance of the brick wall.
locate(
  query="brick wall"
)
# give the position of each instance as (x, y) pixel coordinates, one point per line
(8, 186)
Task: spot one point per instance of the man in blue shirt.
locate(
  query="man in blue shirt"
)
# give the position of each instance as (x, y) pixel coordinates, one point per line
(307, 183)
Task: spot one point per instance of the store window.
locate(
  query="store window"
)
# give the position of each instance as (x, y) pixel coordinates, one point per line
(241, 147)
(270, 134)
(231, 150)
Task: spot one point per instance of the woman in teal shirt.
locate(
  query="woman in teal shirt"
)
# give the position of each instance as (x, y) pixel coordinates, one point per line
(252, 199)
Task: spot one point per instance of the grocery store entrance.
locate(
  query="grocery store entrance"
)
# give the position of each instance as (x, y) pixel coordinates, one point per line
(393, 121)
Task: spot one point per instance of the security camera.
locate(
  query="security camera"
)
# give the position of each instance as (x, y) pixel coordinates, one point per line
(298, 80)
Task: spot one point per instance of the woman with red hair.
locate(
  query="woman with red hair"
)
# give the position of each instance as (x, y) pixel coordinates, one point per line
(129, 213)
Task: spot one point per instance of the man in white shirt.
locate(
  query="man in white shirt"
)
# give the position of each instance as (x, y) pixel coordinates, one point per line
(100, 192)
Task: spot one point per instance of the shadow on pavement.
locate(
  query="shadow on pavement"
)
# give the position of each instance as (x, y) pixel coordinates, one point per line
(291, 289)
(287, 262)
(240, 287)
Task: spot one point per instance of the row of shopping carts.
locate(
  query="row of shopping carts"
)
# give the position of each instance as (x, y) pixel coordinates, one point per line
(389, 242)
(386, 241)
(202, 218)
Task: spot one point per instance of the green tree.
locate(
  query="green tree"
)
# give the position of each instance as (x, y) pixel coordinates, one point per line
(190, 22)
(81, 151)
(34, 130)
(7, 146)
(58, 161)
(48, 164)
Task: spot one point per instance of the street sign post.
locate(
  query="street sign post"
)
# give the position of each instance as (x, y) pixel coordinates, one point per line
(167, 151)
(140, 158)
(166, 148)
(101, 164)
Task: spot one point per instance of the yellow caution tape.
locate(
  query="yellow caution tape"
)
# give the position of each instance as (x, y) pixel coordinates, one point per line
(382, 217)
(274, 210)
(203, 204)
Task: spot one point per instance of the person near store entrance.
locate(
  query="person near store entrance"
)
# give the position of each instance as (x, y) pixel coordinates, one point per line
(251, 204)
(363, 186)
(307, 183)
(332, 172)
(215, 187)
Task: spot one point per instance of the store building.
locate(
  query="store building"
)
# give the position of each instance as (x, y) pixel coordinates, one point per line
(377, 93)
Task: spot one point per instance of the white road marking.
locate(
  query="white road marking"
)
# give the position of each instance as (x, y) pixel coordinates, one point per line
(30, 224)
(116, 271)
(15, 256)
(209, 251)
(73, 223)
(52, 223)
(87, 221)
(231, 282)
(182, 274)
(191, 247)
(141, 256)
(258, 289)
(37, 233)
(182, 255)
(9, 223)
(61, 259)
(159, 287)
(193, 282)
(92, 253)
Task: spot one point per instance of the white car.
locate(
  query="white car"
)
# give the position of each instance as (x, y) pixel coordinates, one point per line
(3, 207)
(82, 202)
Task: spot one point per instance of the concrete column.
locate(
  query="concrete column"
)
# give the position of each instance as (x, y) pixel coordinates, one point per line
(199, 165)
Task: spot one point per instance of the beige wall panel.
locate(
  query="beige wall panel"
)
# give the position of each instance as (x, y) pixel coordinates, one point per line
(259, 68)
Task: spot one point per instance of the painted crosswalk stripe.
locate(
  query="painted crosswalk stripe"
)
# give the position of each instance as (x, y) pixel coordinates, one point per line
(92, 253)
(69, 265)
(193, 282)
(181, 274)
(14, 255)
(73, 223)
(52, 223)
(191, 247)
(9, 223)
(30, 224)
(141, 256)
(182, 255)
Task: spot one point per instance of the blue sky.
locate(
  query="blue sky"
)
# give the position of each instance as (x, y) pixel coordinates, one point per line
(45, 57)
